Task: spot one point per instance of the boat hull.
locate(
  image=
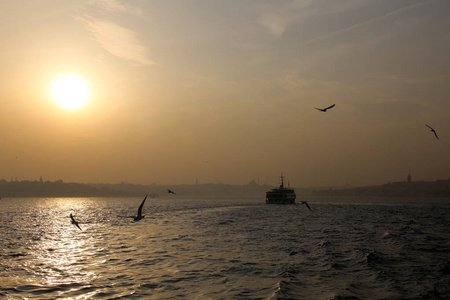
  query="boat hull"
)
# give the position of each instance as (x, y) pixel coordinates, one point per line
(281, 195)
(280, 198)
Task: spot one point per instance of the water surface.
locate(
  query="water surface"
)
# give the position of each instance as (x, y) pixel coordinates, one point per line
(359, 248)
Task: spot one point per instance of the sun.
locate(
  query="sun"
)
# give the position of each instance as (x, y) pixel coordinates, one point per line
(70, 91)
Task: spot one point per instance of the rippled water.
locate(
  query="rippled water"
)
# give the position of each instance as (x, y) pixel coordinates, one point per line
(225, 249)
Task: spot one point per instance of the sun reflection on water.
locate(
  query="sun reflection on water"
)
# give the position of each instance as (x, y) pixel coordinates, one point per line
(62, 249)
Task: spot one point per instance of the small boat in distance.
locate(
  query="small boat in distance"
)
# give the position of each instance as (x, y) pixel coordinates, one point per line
(281, 195)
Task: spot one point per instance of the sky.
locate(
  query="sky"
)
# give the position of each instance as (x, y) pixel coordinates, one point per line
(225, 91)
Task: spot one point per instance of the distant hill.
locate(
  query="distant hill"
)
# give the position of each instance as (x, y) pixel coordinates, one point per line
(53, 189)
(439, 188)
(62, 189)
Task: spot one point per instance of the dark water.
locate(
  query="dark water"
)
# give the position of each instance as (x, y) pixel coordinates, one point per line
(225, 249)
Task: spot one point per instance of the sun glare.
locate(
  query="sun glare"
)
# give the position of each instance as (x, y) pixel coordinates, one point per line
(70, 91)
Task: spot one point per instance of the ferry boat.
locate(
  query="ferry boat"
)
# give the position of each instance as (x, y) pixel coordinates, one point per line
(281, 195)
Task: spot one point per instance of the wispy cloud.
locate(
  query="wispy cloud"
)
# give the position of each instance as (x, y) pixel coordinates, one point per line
(118, 40)
(115, 6)
(370, 21)
(286, 14)
(277, 21)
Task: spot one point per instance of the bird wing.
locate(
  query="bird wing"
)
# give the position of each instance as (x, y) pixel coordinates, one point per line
(330, 106)
(141, 206)
(432, 129)
(74, 222)
(318, 108)
(73, 219)
(306, 203)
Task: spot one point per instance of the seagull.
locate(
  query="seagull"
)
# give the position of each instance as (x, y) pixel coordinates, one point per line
(306, 203)
(171, 192)
(74, 222)
(325, 109)
(434, 131)
(139, 214)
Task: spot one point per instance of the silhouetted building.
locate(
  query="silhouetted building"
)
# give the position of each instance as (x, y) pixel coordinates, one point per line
(409, 178)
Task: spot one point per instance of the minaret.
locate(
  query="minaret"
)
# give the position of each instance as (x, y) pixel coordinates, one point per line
(409, 178)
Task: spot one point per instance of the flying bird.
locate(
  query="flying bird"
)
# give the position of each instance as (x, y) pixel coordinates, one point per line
(325, 109)
(139, 214)
(306, 203)
(171, 192)
(74, 222)
(432, 130)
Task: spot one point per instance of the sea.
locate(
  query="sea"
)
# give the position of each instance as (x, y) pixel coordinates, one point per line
(225, 248)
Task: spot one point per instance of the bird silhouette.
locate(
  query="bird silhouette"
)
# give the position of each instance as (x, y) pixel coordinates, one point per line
(432, 129)
(74, 222)
(306, 203)
(139, 214)
(171, 192)
(325, 109)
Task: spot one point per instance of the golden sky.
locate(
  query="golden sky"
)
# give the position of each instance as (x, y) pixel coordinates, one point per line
(225, 91)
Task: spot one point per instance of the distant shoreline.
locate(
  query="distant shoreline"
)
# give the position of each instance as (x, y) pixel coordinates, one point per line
(438, 188)
(17, 189)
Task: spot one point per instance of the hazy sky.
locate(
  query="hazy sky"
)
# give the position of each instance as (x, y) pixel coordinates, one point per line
(225, 91)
